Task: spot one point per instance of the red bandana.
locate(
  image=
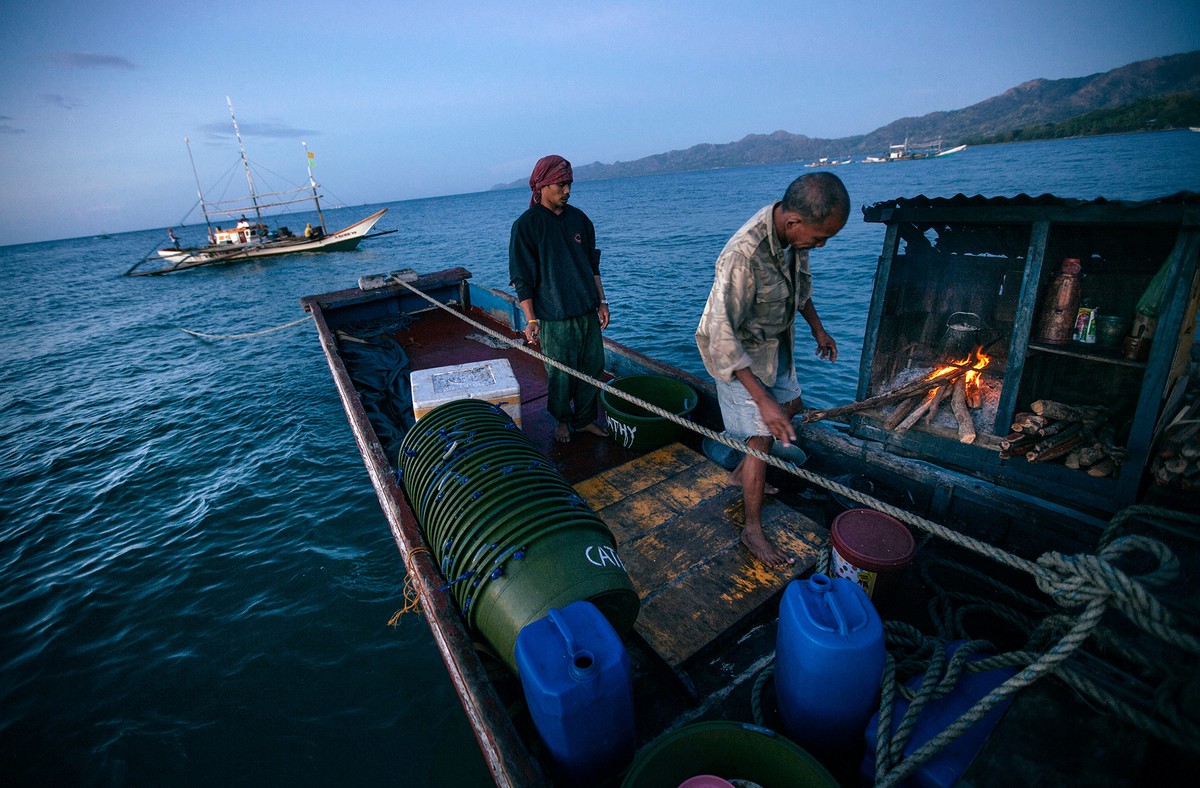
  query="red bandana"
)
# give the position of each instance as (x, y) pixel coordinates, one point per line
(548, 170)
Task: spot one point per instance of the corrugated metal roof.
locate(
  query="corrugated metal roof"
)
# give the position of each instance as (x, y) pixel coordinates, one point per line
(1026, 201)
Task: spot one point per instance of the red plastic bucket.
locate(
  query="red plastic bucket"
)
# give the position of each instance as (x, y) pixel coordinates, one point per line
(870, 548)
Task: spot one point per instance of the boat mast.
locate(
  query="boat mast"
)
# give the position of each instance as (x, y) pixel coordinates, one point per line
(245, 162)
(199, 191)
(308, 157)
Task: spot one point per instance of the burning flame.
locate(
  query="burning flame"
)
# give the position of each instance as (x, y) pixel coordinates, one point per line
(976, 361)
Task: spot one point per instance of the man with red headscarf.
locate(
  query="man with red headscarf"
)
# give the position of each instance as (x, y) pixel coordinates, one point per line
(554, 266)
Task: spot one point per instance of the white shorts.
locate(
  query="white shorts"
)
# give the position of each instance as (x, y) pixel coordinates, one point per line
(742, 417)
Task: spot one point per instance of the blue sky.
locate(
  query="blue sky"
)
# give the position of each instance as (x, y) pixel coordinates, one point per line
(401, 100)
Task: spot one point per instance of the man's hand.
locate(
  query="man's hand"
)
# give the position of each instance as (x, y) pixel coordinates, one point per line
(776, 419)
(533, 330)
(826, 347)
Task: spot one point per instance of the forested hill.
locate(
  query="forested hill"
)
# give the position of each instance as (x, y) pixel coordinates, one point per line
(1015, 114)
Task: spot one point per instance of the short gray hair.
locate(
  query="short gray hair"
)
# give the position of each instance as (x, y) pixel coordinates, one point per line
(817, 196)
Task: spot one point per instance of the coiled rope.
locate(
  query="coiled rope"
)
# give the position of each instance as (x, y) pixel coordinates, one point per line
(1088, 584)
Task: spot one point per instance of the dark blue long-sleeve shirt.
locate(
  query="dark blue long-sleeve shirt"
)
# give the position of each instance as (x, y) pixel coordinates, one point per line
(553, 259)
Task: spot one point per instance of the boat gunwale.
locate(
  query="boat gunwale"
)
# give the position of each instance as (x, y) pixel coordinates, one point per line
(504, 752)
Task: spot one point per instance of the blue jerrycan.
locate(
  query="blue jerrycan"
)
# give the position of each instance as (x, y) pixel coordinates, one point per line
(829, 658)
(576, 677)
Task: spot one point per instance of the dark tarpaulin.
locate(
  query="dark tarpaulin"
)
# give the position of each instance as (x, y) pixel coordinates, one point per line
(380, 370)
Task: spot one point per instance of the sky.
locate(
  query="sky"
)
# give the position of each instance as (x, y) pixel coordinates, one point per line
(404, 100)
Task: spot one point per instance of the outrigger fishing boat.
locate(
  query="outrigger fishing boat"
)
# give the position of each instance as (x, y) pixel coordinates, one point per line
(245, 239)
(1038, 606)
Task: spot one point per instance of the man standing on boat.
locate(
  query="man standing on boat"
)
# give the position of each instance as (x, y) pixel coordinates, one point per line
(747, 331)
(555, 268)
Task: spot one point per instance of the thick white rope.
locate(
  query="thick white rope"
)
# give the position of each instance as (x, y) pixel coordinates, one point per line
(246, 336)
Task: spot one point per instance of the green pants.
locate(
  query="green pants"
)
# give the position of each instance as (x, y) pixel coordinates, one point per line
(575, 342)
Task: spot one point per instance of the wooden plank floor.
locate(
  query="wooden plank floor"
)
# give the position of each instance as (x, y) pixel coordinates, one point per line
(678, 530)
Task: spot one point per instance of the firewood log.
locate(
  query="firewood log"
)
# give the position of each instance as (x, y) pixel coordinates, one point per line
(1103, 468)
(1059, 410)
(1176, 465)
(1053, 428)
(917, 413)
(1055, 451)
(1090, 455)
(962, 414)
(1068, 433)
(901, 412)
(939, 395)
(1017, 440)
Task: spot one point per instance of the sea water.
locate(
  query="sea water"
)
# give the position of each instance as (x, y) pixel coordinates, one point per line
(197, 579)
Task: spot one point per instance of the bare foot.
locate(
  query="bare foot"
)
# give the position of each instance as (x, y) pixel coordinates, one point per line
(594, 429)
(734, 480)
(764, 551)
(562, 433)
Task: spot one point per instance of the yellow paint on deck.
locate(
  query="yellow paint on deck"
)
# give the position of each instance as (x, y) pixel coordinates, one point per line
(678, 530)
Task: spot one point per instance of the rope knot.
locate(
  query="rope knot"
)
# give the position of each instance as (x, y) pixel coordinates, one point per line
(1071, 580)
(1084, 579)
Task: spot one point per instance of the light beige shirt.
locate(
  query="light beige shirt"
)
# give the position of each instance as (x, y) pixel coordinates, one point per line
(750, 316)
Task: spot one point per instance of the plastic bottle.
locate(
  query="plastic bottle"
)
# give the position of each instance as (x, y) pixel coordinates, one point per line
(1085, 323)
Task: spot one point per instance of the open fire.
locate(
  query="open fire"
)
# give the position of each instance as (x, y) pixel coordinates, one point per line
(961, 381)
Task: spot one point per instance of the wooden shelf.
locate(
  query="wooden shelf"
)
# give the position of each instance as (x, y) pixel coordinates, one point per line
(1076, 350)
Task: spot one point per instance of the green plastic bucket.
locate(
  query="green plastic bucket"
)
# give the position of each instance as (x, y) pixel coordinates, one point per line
(636, 428)
(731, 751)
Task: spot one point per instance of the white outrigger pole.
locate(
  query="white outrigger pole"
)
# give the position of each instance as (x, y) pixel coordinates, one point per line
(199, 190)
(245, 163)
(308, 158)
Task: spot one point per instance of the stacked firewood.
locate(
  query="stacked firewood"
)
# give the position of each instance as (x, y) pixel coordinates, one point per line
(1177, 463)
(920, 399)
(1077, 435)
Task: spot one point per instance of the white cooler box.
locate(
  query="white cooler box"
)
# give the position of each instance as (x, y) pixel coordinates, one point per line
(491, 380)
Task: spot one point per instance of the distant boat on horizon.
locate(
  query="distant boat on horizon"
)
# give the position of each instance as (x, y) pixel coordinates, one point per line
(903, 151)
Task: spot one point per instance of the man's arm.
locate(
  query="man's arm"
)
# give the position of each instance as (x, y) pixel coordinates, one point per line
(533, 328)
(826, 346)
(603, 310)
(522, 272)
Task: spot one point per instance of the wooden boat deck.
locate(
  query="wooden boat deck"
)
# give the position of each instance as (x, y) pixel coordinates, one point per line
(676, 523)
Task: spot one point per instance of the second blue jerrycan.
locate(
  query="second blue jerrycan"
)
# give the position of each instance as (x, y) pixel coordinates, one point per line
(829, 657)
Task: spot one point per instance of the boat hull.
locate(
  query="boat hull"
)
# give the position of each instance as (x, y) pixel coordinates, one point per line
(699, 690)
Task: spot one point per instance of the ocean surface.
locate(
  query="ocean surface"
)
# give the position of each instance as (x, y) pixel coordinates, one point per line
(196, 577)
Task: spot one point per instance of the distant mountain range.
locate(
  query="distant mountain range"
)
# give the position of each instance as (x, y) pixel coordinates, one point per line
(1037, 103)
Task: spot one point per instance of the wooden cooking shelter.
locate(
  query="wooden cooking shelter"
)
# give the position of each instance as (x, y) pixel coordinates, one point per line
(980, 269)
